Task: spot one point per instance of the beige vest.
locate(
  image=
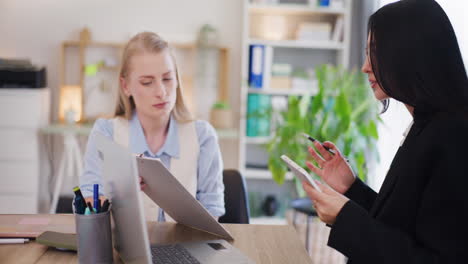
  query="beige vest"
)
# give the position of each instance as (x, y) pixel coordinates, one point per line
(184, 168)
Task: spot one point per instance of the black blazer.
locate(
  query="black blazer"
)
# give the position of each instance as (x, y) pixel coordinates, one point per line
(420, 214)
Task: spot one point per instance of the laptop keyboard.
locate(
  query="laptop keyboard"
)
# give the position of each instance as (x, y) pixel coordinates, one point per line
(172, 254)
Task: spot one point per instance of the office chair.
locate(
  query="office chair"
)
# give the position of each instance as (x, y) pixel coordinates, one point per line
(235, 198)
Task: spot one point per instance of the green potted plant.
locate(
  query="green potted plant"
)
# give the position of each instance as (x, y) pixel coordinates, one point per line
(221, 115)
(343, 111)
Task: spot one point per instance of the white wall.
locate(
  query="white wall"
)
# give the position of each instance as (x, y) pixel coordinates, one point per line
(395, 121)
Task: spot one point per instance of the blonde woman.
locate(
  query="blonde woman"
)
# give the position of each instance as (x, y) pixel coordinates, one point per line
(151, 119)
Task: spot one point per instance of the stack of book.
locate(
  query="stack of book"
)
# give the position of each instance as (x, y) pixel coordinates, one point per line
(304, 80)
(316, 31)
(281, 76)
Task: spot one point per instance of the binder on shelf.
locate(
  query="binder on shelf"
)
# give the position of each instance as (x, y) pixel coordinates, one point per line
(252, 108)
(268, 62)
(260, 61)
(263, 121)
(256, 65)
(338, 29)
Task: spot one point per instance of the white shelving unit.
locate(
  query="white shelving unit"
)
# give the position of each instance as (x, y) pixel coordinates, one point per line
(257, 140)
(295, 9)
(326, 45)
(265, 220)
(278, 91)
(309, 53)
(263, 174)
(22, 161)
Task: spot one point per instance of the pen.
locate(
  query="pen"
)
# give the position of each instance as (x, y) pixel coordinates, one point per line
(99, 208)
(97, 203)
(90, 207)
(13, 240)
(105, 206)
(325, 147)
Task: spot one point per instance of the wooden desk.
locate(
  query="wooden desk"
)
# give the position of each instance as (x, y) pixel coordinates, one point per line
(262, 243)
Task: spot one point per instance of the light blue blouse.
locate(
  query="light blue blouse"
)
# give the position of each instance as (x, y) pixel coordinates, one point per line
(210, 187)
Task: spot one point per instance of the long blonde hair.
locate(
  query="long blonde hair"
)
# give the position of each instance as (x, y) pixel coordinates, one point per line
(152, 43)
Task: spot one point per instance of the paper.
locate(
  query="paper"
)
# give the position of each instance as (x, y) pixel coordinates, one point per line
(34, 221)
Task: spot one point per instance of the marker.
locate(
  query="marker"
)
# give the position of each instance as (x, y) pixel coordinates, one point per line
(80, 203)
(331, 151)
(97, 203)
(13, 240)
(87, 212)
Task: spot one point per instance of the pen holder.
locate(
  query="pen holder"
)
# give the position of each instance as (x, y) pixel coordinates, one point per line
(94, 238)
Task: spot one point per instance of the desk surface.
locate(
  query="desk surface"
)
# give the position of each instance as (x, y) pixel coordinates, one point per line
(262, 243)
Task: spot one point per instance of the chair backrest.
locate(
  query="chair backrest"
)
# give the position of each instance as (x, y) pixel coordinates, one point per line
(235, 198)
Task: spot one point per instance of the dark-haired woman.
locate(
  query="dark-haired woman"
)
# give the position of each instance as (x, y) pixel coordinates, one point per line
(420, 214)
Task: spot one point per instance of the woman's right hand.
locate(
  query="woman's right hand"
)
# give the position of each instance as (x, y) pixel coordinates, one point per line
(333, 169)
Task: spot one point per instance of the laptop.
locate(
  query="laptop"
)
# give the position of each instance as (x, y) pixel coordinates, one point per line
(130, 232)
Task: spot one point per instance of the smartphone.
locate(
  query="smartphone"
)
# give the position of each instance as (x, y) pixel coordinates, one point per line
(300, 172)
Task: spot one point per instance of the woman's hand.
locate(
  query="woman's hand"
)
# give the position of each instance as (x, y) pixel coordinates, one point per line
(327, 203)
(142, 183)
(333, 169)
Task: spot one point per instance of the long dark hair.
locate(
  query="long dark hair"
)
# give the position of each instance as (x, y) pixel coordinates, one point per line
(415, 56)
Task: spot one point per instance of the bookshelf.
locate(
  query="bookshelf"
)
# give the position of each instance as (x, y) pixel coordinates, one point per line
(260, 174)
(273, 27)
(295, 9)
(278, 91)
(327, 45)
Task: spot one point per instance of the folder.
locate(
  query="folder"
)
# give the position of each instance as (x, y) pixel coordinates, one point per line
(252, 111)
(256, 65)
(263, 122)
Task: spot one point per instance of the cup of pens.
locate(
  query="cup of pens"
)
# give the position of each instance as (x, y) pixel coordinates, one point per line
(93, 228)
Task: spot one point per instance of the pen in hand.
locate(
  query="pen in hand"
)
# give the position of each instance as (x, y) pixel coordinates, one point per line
(331, 151)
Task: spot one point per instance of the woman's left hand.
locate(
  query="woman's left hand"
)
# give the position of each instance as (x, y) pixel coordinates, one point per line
(142, 183)
(327, 203)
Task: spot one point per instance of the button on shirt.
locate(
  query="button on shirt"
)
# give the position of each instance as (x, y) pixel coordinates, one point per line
(210, 187)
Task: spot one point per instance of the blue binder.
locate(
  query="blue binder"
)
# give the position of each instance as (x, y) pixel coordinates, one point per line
(256, 65)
